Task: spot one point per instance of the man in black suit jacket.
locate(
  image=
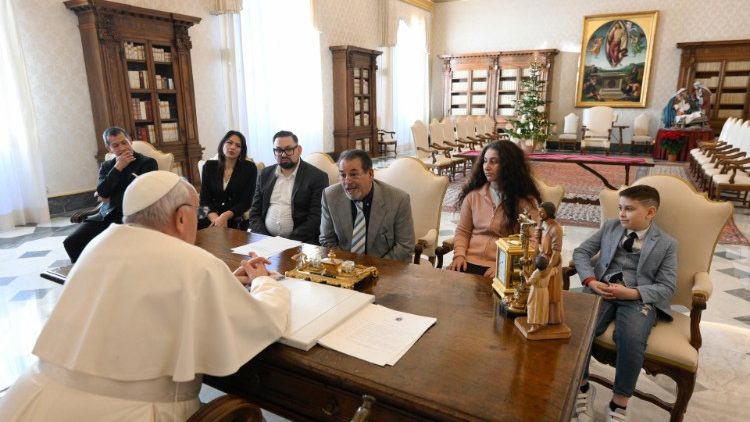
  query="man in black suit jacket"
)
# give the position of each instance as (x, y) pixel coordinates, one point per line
(287, 196)
(114, 177)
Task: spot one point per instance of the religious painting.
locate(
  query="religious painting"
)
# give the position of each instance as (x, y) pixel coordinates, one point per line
(615, 61)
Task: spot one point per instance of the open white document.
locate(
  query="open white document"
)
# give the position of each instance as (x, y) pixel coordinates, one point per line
(267, 247)
(317, 309)
(377, 334)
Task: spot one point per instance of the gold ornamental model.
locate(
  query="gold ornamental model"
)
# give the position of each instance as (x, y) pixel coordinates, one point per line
(330, 270)
(514, 260)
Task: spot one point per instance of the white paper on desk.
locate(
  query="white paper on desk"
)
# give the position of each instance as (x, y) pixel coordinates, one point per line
(377, 334)
(317, 309)
(267, 247)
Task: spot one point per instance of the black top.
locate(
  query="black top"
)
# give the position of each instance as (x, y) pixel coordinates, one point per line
(112, 184)
(239, 192)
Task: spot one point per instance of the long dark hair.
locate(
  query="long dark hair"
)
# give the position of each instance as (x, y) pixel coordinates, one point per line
(515, 179)
(243, 152)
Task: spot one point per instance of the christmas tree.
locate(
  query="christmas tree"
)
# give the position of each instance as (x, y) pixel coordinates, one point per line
(531, 117)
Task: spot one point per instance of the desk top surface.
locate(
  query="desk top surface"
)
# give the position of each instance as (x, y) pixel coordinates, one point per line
(469, 365)
(592, 159)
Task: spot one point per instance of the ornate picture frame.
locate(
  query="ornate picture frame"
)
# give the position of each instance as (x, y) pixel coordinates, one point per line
(615, 61)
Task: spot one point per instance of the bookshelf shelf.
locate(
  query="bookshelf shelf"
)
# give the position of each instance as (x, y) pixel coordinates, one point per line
(140, 77)
(354, 98)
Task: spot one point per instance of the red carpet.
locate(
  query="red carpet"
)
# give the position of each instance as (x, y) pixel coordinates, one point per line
(580, 206)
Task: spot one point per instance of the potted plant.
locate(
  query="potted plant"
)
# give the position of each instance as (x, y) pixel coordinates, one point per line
(672, 142)
(530, 124)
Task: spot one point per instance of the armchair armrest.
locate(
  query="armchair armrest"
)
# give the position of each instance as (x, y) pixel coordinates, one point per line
(702, 289)
(81, 215)
(440, 251)
(426, 244)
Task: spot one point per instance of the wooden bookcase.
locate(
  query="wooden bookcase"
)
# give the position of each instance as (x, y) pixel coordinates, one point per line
(140, 77)
(724, 68)
(489, 83)
(354, 99)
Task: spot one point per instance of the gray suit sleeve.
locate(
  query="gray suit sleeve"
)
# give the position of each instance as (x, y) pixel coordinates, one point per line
(582, 255)
(403, 248)
(327, 233)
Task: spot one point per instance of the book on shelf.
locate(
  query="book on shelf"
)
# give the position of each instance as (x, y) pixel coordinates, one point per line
(134, 51)
(146, 133)
(163, 82)
(164, 110)
(161, 55)
(142, 109)
(138, 79)
(169, 132)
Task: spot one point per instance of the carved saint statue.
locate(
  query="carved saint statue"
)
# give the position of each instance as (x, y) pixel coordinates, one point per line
(537, 305)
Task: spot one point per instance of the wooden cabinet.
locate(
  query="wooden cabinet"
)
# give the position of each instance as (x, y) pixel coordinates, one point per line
(724, 68)
(489, 83)
(140, 77)
(354, 99)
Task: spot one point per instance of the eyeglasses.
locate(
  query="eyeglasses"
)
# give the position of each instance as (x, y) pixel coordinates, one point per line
(200, 212)
(285, 151)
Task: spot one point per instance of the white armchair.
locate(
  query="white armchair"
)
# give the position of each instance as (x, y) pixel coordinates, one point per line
(325, 163)
(640, 133)
(164, 161)
(597, 128)
(571, 131)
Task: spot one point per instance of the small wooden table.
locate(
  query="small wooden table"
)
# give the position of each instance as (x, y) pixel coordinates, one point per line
(471, 365)
(583, 160)
(620, 139)
(692, 136)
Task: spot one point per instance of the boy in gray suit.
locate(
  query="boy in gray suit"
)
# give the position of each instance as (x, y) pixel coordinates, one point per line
(635, 274)
(364, 215)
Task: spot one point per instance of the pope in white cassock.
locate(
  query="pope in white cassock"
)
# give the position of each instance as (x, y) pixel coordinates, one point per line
(143, 315)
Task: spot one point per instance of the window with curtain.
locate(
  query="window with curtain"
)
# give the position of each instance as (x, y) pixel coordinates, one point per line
(278, 75)
(410, 81)
(23, 197)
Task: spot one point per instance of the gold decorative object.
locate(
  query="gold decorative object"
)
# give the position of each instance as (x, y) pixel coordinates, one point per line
(514, 265)
(330, 270)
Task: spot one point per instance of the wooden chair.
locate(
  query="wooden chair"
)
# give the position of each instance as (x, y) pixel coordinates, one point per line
(258, 166)
(571, 132)
(386, 143)
(325, 163)
(229, 408)
(164, 162)
(439, 141)
(431, 157)
(597, 129)
(696, 223)
(641, 135)
(466, 135)
(426, 193)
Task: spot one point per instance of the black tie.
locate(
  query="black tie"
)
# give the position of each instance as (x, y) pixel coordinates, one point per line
(628, 243)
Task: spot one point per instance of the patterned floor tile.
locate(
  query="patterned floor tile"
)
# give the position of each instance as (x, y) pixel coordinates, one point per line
(30, 294)
(745, 319)
(4, 281)
(728, 255)
(34, 254)
(735, 272)
(59, 263)
(742, 293)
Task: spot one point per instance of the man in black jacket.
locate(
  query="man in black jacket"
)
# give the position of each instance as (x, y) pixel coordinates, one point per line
(287, 197)
(114, 177)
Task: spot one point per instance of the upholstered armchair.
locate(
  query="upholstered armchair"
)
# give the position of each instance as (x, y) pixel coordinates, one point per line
(431, 157)
(597, 128)
(325, 163)
(571, 132)
(426, 192)
(163, 162)
(439, 141)
(641, 135)
(386, 143)
(547, 192)
(259, 166)
(695, 222)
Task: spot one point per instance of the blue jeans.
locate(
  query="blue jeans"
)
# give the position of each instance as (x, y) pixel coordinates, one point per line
(633, 323)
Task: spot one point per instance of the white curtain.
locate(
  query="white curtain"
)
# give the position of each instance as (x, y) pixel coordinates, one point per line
(22, 191)
(410, 79)
(278, 75)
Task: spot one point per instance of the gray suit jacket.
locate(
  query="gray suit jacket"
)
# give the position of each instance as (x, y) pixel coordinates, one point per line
(656, 274)
(390, 231)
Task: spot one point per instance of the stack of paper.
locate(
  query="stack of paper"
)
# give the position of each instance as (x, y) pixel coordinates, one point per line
(267, 247)
(377, 334)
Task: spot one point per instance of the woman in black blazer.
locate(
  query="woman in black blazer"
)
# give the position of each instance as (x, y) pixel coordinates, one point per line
(228, 184)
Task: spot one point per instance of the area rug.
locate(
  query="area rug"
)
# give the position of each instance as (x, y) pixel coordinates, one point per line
(580, 206)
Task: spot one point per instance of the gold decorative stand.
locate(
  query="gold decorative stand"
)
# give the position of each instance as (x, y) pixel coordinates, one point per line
(330, 270)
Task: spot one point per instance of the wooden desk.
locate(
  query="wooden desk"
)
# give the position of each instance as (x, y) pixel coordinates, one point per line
(583, 160)
(468, 366)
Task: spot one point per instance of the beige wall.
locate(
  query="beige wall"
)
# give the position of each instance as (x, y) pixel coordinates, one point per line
(489, 25)
(54, 60)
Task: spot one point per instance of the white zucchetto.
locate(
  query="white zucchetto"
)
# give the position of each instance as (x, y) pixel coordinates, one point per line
(146, 189)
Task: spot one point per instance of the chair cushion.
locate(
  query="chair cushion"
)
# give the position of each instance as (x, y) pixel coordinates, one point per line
(668, 343)
(568, 136)
(642, 139)
(740, 179)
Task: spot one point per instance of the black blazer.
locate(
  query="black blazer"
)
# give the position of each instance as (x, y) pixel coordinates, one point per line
(112, 184)
(239, 193)
(306, 193)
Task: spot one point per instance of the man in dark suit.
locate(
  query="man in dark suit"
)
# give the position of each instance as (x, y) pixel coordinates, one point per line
(287, 196)
(114, 177)
(364, 215)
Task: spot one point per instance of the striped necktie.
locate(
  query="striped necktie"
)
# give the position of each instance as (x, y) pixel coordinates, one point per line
(359, 234)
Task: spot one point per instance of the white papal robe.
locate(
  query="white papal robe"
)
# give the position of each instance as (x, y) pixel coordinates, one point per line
(142, 316)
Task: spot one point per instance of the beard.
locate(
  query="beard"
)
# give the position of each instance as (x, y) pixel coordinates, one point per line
(286, 165)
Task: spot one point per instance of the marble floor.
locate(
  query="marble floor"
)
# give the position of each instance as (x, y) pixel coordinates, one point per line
(26, 301)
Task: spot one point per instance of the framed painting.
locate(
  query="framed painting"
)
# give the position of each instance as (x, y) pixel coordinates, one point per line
(615, 61)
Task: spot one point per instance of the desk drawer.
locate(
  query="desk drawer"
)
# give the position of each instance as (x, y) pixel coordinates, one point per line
(299, 397)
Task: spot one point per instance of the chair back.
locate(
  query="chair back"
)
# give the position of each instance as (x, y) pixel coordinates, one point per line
(694, 221)
(437, 136)
(727, 124)
(325, 163)
(163, 160)
(426, 193)
(449, 129)
(464, 128)
(550, 193)
(259, 166)
(641, 124)
(598, 121)
(489, 125)
(571, 124)
(420, 138)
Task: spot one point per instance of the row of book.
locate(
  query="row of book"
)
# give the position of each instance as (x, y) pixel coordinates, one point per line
(508, 85)
(161, 55)
(142, 109)
(360, 105)
(364, 85)
(146, 133)
(735, 82)
(738, 66)
(134, 51)
(163, 82)
(733, 98)
(362, 119)
(138, 79)
(363, 144)
(165, 111)
(169, 132)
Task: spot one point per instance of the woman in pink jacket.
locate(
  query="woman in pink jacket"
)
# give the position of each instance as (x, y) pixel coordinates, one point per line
(500, 188)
